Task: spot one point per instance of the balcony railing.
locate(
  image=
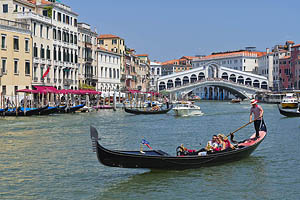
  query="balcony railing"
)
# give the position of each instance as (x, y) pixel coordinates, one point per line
(35, 79)
(14, 24)
(68, 82)
(59, 80)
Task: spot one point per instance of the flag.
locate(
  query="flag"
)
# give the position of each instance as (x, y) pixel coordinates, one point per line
(46, 72)
(145, 142)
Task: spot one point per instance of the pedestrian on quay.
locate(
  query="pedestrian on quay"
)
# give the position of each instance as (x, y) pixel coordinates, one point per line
(258, 116)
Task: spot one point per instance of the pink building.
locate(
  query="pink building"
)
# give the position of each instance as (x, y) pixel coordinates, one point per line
(295, 66)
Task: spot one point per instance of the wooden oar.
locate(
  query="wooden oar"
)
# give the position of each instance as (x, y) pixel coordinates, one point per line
(242, 127)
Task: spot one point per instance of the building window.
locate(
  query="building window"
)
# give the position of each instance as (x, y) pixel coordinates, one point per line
(26, 45)
(5, 8)
(114, 41)
(4, 66)
(48, 53)
(59, 16)
(101, 41)
(41, 31)
(27, 67)
(59, 35)
(16, 63)
(64, 18)
(34, 28)
(47, 34)
(54, 34)
(42, 52)
(54, 53)
(35, 51)
(54, 13)
(3, 89)
(3, 41)
(16, 43)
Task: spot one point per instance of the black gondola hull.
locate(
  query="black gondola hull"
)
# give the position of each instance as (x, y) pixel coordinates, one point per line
(142, 112)
(49, 111)
(162, 160)
(289, 113)
(28, 113)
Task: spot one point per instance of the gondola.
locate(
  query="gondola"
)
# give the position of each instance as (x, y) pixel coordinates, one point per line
(71, 109)
(289, 113)
(21, 111)
(49, 110)
(145, 112)
(157, 159)
(2, 111)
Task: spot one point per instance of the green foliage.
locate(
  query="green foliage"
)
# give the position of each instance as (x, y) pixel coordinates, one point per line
(49, 10)
(86, 87)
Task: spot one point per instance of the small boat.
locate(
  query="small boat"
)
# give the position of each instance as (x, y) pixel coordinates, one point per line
(289, 113)
(73, 109)
(147, 112)
(158, 159)
(194, 98)
(49, 110)
(290, 100)
(187, 108)
(235, 100)
(21, 111)
(2, 111)
(103, 107)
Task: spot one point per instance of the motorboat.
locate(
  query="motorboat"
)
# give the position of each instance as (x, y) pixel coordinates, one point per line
(187, 108)
(290, 100)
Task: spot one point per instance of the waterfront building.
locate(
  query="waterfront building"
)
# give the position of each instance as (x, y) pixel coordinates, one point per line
(143, 72)
(15, 57)
(285, 72)
(155, 73)
(87, 56)
(295, 66)
(265, 66)
(41, 31)
(243, 60)
(109, 66)
(65, 46)
(115, 44)
(129, 77)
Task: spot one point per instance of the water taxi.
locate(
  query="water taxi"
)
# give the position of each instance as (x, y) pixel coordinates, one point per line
(290, 100)
(187, 108)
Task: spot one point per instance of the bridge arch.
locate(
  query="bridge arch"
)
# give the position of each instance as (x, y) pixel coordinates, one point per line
(256, 83)
(170, 84)
(225, 76)
(185, 80)
(177, 82)
(240, 79)
(248, 81)
(233, 77)
(264, 85)
(201, 76)
(212, 70)
(193, 78)
(162, 86)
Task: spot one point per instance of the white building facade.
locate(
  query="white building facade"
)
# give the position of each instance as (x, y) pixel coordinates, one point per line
(109, 66)
(65, 48)
(155, 73)
(245, 61)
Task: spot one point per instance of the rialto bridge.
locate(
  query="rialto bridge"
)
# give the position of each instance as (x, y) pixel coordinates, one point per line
(212, 81)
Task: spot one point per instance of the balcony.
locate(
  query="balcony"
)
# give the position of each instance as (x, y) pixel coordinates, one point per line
(14, 24)
(68, 82)
(89, 60)
(31, 15)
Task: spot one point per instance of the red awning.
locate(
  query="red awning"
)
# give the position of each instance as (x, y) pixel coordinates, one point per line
(134, 91)
(28, 91)
(46, 89)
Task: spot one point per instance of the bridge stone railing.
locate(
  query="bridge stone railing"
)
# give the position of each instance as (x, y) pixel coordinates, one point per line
(215, 80)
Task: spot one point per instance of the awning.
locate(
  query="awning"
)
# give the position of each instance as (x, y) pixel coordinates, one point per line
(28, 91)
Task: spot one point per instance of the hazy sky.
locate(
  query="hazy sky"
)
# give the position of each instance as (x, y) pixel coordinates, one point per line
(169, 29)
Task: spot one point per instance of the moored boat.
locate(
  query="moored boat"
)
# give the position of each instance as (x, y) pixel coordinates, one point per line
(235, 100)
(290, 100)
(49, 110)
(289, 113)
(24, 112)
(138, 111)
(187, 108)
(158, 159)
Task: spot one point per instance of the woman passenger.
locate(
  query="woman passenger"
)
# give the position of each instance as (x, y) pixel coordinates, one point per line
(226, 143)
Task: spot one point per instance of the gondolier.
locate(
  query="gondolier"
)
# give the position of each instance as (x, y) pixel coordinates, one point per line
(258, 116)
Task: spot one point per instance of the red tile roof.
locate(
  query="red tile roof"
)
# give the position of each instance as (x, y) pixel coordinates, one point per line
(298, 45)
(142, 55)
(107, 36)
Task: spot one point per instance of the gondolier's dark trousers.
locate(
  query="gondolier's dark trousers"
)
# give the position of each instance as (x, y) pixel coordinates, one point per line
(257, 126)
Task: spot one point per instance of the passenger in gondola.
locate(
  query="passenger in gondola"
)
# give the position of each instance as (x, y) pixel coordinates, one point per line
(226, 145)
(213, 145)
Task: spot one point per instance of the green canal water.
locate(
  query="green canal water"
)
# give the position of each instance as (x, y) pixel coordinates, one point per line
(51, 157)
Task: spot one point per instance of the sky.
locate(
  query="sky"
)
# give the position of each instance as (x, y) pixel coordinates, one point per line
(170, 29)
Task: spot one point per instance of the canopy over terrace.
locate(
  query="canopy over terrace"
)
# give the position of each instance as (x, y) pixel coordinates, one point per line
(49, 89)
